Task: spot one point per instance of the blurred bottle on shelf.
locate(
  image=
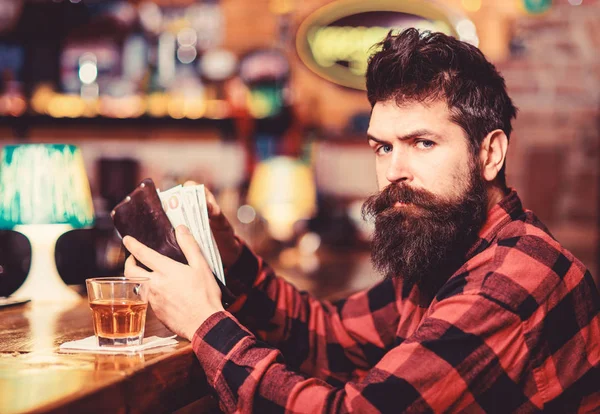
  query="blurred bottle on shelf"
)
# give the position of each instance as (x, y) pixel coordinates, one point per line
(123, 60)
(12, 99)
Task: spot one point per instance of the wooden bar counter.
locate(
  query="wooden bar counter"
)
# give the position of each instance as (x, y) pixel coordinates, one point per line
(36, 377)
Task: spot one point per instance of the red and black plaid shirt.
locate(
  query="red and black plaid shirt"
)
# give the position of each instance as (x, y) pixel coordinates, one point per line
(515, 329)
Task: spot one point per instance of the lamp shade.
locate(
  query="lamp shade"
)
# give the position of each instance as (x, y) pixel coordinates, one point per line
(44, 184)
(283, 191)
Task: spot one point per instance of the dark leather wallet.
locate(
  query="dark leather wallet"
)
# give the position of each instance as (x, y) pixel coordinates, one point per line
(141, 216)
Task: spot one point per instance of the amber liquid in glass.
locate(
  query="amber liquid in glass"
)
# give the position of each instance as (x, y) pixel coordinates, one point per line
(119, 322)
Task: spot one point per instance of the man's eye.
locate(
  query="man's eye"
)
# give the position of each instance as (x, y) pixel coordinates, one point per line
(384, 149)
(425, 144)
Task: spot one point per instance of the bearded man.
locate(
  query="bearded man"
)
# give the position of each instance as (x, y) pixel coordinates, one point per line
(481, 310)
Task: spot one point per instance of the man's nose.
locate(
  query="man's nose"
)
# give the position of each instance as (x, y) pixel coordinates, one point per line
(399, 169)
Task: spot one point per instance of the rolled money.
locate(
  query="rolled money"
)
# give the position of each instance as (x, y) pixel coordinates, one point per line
(219, 261)
(173, 205)
(214, 251)
(193, 215)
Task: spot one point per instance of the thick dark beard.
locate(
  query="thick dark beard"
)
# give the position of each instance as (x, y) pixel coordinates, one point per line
(425, 242)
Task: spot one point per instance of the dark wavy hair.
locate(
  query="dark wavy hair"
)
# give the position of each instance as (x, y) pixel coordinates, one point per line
(426, 67)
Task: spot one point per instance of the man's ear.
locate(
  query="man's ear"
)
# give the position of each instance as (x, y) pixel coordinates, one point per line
(493, 154)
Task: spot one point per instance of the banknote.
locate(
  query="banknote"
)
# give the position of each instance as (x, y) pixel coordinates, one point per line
(198, 230)
(173, 205)
(213, 250)
(187, 205)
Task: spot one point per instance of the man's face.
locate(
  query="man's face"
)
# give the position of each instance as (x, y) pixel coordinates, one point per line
(420, 147)
(432, 199)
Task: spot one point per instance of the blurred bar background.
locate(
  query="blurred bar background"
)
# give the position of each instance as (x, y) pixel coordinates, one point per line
(259, 100)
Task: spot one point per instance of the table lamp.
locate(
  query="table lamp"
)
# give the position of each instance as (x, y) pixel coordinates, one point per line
(283, 191)
(44, 192)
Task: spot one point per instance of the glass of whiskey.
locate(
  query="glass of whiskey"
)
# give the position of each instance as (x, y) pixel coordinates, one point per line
(119, 306)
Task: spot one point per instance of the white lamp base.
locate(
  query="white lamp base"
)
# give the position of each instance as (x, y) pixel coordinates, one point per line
(43, 282)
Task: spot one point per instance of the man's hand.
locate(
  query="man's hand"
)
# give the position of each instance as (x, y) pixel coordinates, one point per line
(229, 247)
(182, 296)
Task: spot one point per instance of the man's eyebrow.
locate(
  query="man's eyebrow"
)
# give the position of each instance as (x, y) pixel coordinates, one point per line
(419, 133)
(411, 135)
(379, 141)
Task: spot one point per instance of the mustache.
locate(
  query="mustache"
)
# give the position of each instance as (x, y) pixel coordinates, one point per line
(394, 193)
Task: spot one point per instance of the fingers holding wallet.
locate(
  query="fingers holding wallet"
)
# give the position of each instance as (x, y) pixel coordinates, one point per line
(190, 248)
(144, 254)
(133, 270)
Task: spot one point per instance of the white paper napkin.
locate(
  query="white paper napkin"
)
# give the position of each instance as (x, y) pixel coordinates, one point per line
(90, 344)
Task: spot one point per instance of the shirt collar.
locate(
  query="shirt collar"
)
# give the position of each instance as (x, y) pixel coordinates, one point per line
(507, 210)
